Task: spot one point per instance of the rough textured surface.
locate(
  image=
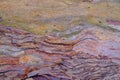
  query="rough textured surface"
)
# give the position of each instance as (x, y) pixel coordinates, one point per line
(85, 55)
(59, 40)
(51, 16)
(86, 67)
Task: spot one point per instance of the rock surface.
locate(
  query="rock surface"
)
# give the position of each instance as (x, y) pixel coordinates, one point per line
(59, 40)
(93, 54)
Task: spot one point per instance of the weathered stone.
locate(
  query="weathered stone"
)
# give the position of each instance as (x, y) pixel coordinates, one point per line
(99, 44)
(31, 60)
(11, 74)
(11, 50)
(84, 69)
(92, 54)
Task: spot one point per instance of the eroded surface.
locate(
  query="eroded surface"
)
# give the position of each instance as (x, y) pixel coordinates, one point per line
(50, 16)
(76, 43)
(60, 56)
